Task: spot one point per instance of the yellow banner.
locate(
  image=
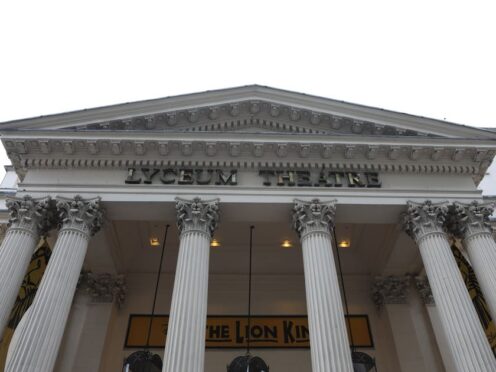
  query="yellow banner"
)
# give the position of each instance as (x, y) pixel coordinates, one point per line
(25, 297)
(475, 294)
(232, 331)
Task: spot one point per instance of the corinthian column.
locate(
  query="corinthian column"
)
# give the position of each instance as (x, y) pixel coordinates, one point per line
(38, 339)
(329, 345)
(28, 220)
(185, 346)
(471, 222)
(424, 222)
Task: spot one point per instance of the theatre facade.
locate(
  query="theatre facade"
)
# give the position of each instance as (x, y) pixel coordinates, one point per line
(369, 242)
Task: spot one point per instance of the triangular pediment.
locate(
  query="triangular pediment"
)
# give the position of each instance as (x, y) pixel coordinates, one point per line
(250, 109)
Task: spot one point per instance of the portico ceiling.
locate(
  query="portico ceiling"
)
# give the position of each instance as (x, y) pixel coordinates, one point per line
(369, 254)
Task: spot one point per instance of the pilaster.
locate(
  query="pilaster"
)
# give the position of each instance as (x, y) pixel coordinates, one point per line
(412, 336)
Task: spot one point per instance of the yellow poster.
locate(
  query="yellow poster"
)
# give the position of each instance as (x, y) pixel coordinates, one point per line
(476, 295)
(232, 331)
(26, 295)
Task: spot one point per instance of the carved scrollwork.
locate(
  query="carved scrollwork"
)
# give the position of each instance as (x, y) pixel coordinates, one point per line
(197, 215)
(104, 287)
(3, 230)
(467, 220)
(33, 215)
(309, 216)
(422, 219)
(424, 289)
(80, 214)
(390, 290)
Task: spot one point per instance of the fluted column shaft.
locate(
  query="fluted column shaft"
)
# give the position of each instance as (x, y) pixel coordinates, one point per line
(466, 338)
(185, 345)
(471, 222)
(329, 344)
(28, 219)
(38, 340)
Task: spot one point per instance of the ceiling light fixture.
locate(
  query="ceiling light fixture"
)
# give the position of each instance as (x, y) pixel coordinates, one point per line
(286, 244)
(154, 242)
(344, 244)
(214, 243)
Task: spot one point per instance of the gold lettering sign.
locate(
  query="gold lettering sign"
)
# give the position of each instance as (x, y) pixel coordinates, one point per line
(231, 331)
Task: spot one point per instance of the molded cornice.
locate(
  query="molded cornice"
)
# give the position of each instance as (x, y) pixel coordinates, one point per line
(253, 100)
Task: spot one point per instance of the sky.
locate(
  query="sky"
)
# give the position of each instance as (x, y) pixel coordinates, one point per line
(431, 58)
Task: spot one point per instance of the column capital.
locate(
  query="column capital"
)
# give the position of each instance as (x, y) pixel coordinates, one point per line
(83, 215)
(422, 219)
(469, 219)
(390, 290)
(314, 215)
(30, 214)
(424, 289)
(197, 214)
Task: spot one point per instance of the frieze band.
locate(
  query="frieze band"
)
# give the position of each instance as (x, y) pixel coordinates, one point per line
(269, 177)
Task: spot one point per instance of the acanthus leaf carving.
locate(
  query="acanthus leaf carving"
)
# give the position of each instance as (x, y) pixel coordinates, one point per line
(467, 220)
(84, 215)
(197, 215)
(314, 215)
(424, 289)
(390, 290)
(422, 219)
(103, 287)
(35, 216)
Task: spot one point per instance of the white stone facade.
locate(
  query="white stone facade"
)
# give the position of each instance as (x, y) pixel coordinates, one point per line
(391, 185)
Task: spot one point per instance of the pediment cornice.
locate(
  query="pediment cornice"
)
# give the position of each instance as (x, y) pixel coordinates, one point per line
(252, 116)
(263, 108)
